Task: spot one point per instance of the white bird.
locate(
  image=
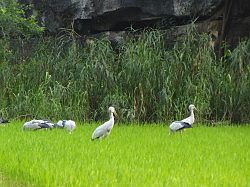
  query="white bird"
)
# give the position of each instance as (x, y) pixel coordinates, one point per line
(67, 124)
(105, 129)
(185, 123)
(38, 124)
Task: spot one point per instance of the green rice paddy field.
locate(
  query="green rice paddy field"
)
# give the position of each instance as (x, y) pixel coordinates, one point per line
(132, 155)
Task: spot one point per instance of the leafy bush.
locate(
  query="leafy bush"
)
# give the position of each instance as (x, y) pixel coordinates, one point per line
(13, 21)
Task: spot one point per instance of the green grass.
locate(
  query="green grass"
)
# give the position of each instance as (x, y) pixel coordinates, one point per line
(131, 156)
(143, 79)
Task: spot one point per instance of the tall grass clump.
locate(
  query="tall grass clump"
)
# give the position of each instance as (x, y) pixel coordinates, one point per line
(236, 89)
(146, 81)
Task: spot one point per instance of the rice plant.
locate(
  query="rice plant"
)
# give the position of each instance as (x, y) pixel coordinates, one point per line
(133, 155)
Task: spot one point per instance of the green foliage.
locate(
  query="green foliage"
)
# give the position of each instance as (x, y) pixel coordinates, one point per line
(14, 23)
(239, 81)
(131, 156)
(145, 81)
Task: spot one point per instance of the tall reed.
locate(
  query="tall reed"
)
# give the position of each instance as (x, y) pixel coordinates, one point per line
(146, 81)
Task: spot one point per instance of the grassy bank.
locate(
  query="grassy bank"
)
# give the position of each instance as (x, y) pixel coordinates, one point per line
(132, 155)
(65, 78)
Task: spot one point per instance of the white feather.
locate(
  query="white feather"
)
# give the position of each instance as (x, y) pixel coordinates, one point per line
(105, 129)
(178, 125)
(175, 126)
(59, 124)
(70, 125)
(37, 124)
(190, 119)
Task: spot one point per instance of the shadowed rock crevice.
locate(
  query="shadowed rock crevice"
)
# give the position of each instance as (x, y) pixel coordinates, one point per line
(227, 18)
(98, 16)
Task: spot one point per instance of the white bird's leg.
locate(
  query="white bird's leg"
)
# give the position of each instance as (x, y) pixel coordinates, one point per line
(101, 138)
(170, 132)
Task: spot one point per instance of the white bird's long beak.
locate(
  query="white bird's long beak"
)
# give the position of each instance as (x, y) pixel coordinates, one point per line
(115, 114)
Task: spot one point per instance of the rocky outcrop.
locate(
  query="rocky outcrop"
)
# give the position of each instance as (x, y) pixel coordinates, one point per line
(227, 19)
(90, 16)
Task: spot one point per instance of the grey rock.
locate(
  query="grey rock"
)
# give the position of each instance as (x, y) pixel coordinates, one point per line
(95, 15)
(90, 17)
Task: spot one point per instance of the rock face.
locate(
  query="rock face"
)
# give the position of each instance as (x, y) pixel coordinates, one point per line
(101, 15)
(227, 19)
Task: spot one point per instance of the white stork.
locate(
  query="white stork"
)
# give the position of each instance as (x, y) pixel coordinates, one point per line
(38, 124)
(105, 129)
(67, 124)
(185, 123)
